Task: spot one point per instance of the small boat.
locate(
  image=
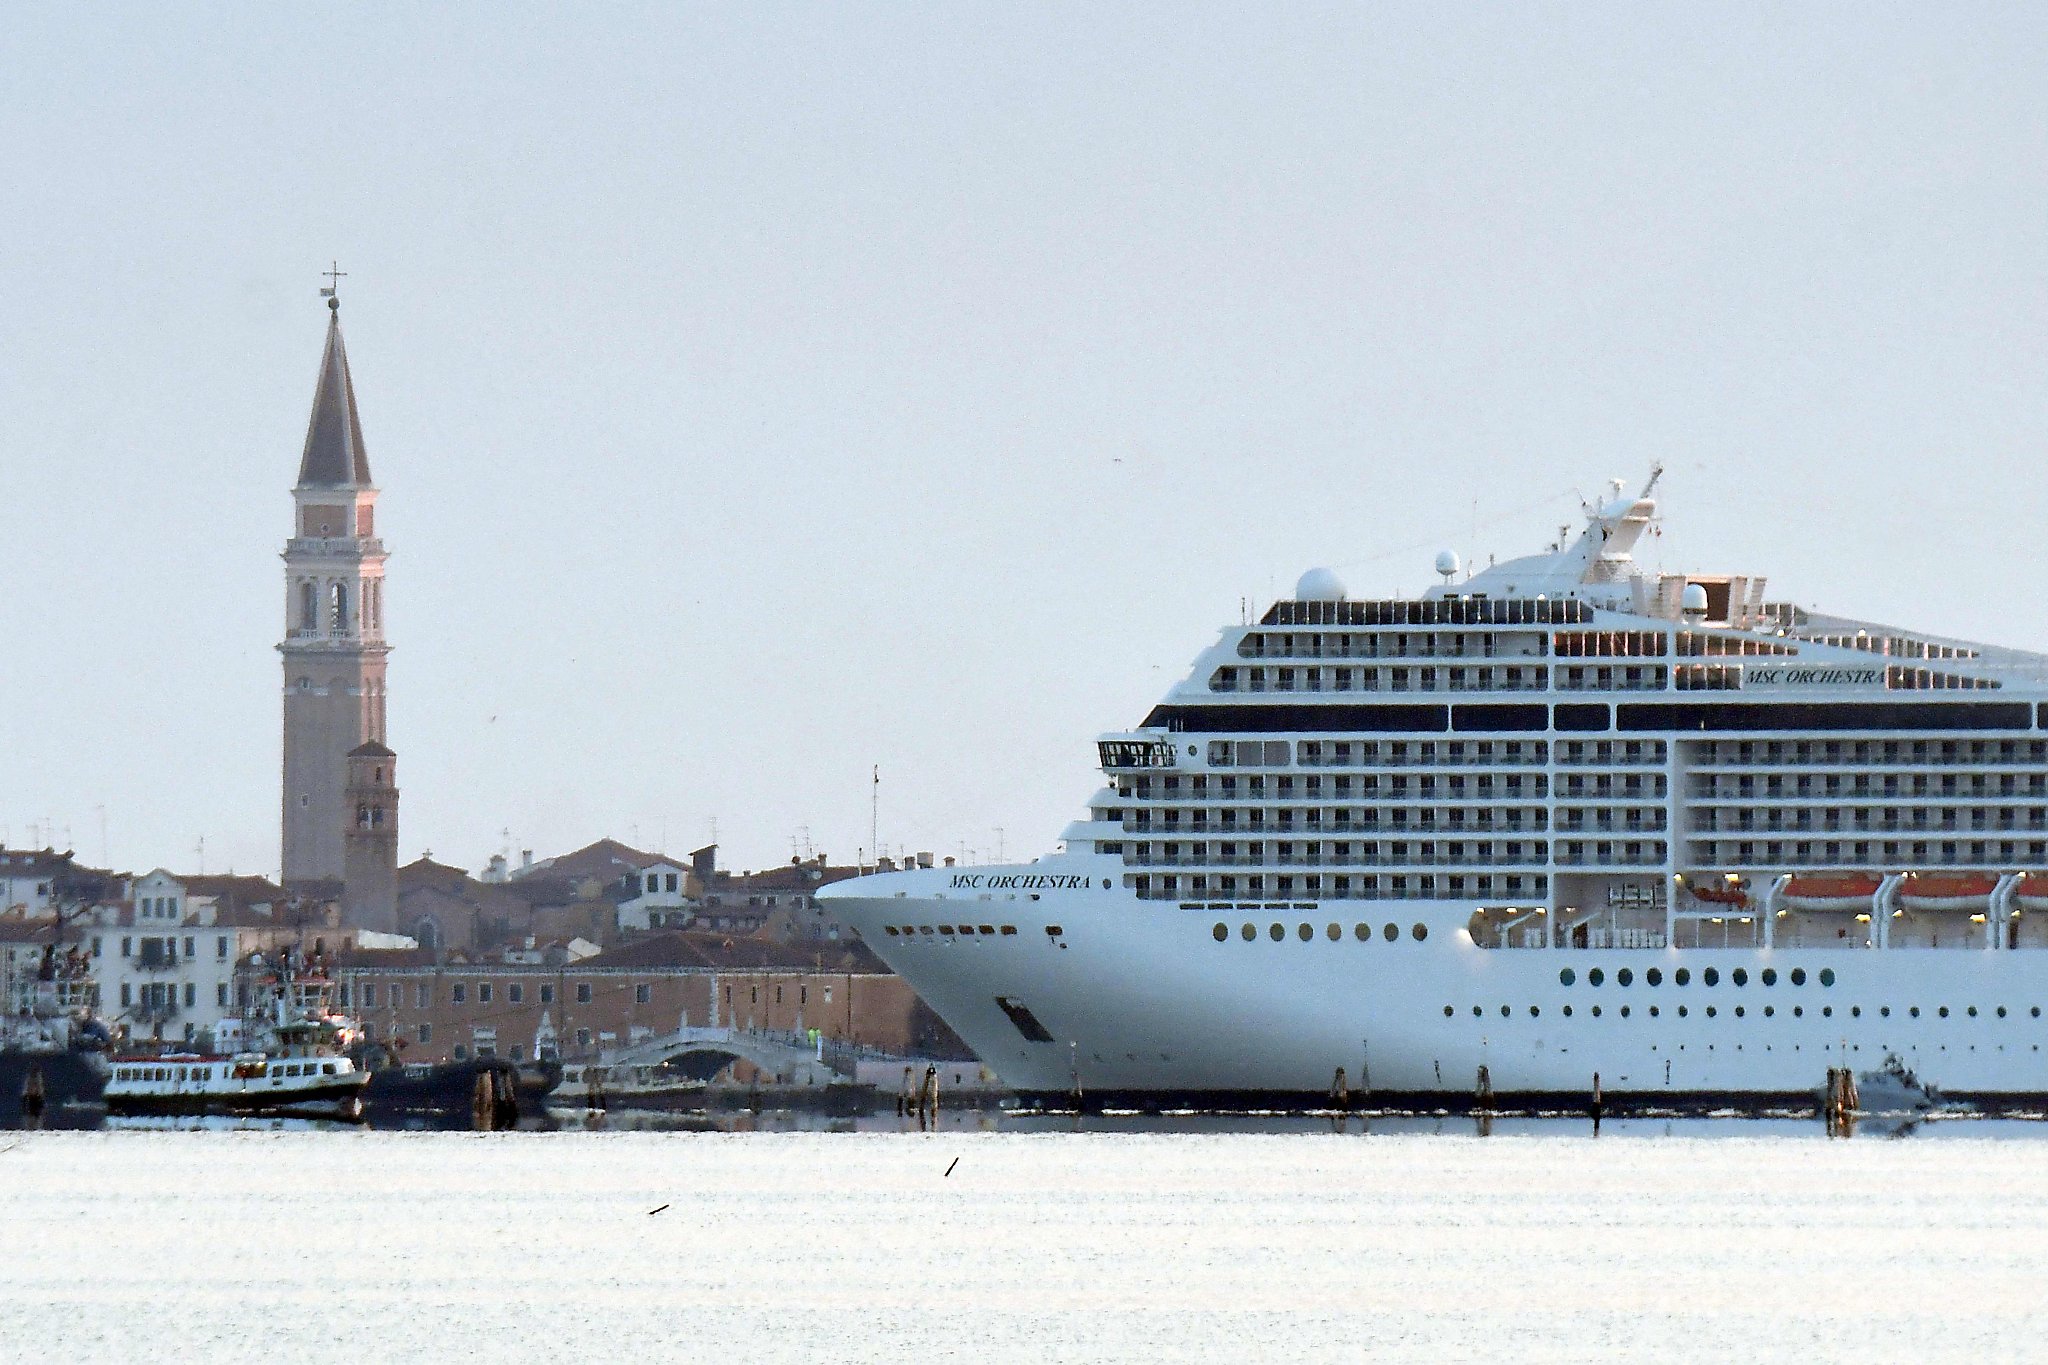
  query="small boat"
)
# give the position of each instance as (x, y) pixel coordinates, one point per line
(1847, 891)
(53, 1048)
(590, 1085)
(1893, 1089)
(1734, 893)
(300, 1064)
(452, 1086)
(1941, 891)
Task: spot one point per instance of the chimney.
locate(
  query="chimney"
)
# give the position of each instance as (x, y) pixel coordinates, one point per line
(925, 860)
(525, 859)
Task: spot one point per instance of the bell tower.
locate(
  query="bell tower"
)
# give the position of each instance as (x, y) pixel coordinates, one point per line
(334, 649)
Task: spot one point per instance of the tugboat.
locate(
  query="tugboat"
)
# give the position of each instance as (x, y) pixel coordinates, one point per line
(450, 1088)
(297, 1064)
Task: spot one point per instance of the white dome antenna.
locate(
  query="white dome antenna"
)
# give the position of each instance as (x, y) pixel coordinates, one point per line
(1692, 602)
(1447, 565)
(1319, 585)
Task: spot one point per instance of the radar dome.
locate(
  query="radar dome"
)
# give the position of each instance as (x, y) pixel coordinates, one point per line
(1319, 585)
(1447, 563)
(1693, 599)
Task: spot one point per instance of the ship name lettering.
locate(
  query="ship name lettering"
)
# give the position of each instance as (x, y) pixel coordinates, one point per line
(1808, 677)
(1017, 881)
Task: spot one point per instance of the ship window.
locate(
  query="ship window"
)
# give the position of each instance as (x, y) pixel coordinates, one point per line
(1009, 931)
(890, 929)
(1222, 932)
(1392, 932)
(1973, 1011)
(1566, 977)
(1712, 1011)
(1475, 1011)
(1827, 976)
(1421, 932)
(1943, 1011)
(1363, 932)
(1305, 933)
(1248, 933)
(2001, 1011)
(1447, 1011)
(1334, 932)
(1799, 976)
(1654, 976)
(1914, 1011)
(1738, 1011)
(1276, 931)
(1596, 1011)
(1711, 976)
(1567, 1011)
(1682, 977)
(1770, 976)
(1534, 1011)
(1740, 976)
(1596, 977)
(1624, 977)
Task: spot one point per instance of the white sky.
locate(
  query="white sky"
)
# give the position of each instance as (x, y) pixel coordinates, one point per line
(763, 393)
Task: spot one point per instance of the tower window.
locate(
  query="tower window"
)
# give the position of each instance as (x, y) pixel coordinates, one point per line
(309, 606)
(337, 615)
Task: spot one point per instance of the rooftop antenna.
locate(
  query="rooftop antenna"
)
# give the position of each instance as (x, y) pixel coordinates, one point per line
(200, 849)
(875, 812)
(999, 843)
(1656, 473)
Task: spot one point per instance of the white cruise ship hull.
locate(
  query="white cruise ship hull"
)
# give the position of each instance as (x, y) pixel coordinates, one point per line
(1139, 1002)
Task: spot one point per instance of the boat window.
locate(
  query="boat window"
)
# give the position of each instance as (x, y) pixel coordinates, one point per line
(1827, 976)
(1276, 931)
(1009, 931)
(1799, 976)
(1221, 931)
(1566, 977)
(329, 1069)
(1682, 977)
(1740, 976)
(1421, 932)
(1305, 933)
(1711, 976)
(1363, 933)
(1393, 932)
(1247, 933)
(1654, 976)
(1770, 976)
(1624, 977)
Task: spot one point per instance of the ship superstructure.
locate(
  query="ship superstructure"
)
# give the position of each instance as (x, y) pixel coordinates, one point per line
(1561, 816)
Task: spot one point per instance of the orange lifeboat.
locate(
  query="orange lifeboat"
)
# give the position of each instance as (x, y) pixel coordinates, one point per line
(1842, 891)
(1734, 894)
(1948, 891)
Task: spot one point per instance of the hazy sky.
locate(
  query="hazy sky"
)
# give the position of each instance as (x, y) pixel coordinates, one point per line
(762, 393)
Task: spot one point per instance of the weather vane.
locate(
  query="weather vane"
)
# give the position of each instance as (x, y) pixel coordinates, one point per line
(335, 275)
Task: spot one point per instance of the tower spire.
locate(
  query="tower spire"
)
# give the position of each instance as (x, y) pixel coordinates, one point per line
(334, 454)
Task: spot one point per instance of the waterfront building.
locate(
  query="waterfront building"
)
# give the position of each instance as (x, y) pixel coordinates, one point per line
(340, 790)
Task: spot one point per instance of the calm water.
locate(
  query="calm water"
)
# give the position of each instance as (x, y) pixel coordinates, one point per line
(1674, 1240)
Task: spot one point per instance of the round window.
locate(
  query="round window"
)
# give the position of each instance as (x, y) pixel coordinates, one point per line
(1304, 933)
(1799, 976)
(1770, 976)
(1363, 932)
(1624, 977)
(1682, 977)
(1393, 931)
(1421, 932)
(1654, 976)
(1566, 977)
(1222, 932)
(1247, 933)
(1827, 976)
(1596, 977)
(1276, 932)
(1334, 932)
(1711, 976)
(1740, 976)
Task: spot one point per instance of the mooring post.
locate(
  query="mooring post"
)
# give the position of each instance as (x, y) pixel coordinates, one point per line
(1340, 1093)
(1598, 1103)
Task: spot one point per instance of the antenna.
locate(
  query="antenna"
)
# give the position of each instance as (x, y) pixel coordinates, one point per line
(999, 843)
(875, 812)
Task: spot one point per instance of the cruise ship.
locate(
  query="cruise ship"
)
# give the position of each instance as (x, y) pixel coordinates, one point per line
(1560, 826)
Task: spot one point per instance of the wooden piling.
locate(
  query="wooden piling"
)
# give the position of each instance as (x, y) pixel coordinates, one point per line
(1340, 1093)
(32, 1094)
(1482, 1091)
(483, 1102)
(1599, 1104)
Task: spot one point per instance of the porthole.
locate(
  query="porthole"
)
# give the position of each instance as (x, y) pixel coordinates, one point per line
(1595, 977)
(1475, 1011)
(1711, 976)
(1421, 932)
(1654, 976)
(1827, 1011)
(1915, 1011)
(1534, 1011)
(1683, 1011)
(1391, 933)
(1855, 1011)
(1447, 1011)
(1653, 1011)
(1973, 1011)
(1884, 1011)
(1362, 932)
(1504, 1011)
(1248, 933)
(1682, 977)
(1799, 1011)
(1276, 931)
(1624, 977)
(1711, 1011)
(1740, 976)
(1770, 976)
(1596, 1011)
(2001, 1011)
(1624, 1011)
(1567, 1011)
(1827, 976)
(1304, 933)
(1566, 977)
(1334, 932)
(1799, 976)
(1942, 1012)
(1222, 932)
(1770, 1011)
(890, 930)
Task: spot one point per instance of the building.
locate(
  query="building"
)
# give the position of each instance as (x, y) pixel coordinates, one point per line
(458, 1007)
(340, 791)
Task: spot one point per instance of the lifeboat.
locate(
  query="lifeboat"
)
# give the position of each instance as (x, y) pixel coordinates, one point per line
(1845, 891)
(2032, 892)
(1947, 891)
(1722, 893)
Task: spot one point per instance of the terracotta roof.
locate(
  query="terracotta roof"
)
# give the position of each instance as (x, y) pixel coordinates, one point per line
(606, 858)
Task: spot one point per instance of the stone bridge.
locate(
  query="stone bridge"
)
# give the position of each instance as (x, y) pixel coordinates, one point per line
(788, 1057)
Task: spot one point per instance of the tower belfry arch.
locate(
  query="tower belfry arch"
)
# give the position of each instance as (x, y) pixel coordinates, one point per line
(334, 654)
